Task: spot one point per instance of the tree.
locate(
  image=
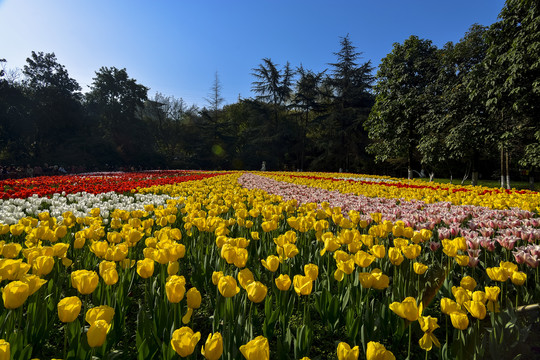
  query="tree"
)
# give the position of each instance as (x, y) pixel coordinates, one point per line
(273, 86)
(513, 86)
(16, 130)
(350, 103)
(55, 109)
(273, 89)
(402, 98)
(307, 98)
(115, 100)
(44, 72)
(215, 99)
(459, 127)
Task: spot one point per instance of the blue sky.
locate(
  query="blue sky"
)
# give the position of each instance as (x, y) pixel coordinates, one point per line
(176, 46)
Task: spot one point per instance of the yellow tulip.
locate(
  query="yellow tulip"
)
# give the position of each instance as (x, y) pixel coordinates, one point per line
(344, 352)
(227, 286)
(459, 319)
(366, 280)
(379, 251)
(173, 267)
(331, 244)
(245, 277)
(468, 283)
(518, 278)
(311, 271)
(462, 260)
(102, 312)
(110, 276)
(145, 268)
(213, 347)
(347, 267)
(395, 256)
(479, 296)
(492, 292)
(15, 294)
(34, 282)
(241, 257)
(406, 309)
(377, 351)
(303, 285)
(97, 333)
(271, 263)
(461, 294)
(508, 267)
(175, 288)
(283, 282)
(11, 250)
(497, 274)
(419, 268)
(193, 302)
(5, 351)
(69, 308)
(428, 324)
(411, 251)
(380, 280)
(16, 230)
(11, 269)
(363, 259)
(256, 349)
(256, 291)
(216, 275)
(184, 340)
(60, 249)
(193, 298)
(448, 306)
(288, 251)
(85, 281)
(476, 309)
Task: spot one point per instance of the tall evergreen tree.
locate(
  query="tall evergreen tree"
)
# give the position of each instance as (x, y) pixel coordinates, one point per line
(350, 103)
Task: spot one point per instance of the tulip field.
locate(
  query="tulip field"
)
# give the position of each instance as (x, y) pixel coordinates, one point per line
(266, 265)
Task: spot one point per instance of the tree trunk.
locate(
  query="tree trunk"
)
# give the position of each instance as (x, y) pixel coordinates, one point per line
(507, 170)
(474, 175)
(531, 180)
(502, 167)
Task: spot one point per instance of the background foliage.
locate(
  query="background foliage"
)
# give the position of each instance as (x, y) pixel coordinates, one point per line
(459, 109)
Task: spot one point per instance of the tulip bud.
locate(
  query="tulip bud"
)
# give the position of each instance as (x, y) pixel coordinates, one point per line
(175, 288)
(102, 312)
(256, 291)
(303, 285)
(377, 351)
(97, 333)
(344, 352)
(256, 349)
(183, 341)
(5, 351)
(145, 268)
(283, 282)
(84, 281)
(271, 263)
(69, 308)
(227, 286)
(213, 347)
(311, 271)
(15, 294)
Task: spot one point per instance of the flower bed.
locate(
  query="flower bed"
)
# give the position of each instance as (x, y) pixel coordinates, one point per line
(240, 264)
